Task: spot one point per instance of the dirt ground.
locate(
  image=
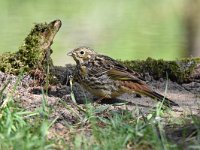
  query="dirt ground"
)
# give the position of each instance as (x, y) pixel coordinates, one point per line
(186, 95)
(59, 100)
(31, 97)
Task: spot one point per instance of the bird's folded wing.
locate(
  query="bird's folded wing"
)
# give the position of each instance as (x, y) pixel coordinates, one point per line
(122, 75)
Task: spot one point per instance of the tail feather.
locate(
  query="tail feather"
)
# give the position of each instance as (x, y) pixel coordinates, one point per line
(142, 88)
(160, 98)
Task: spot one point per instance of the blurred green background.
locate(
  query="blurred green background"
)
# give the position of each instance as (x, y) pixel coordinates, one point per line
(129, 29)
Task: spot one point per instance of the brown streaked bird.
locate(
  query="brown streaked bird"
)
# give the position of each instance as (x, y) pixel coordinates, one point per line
(106, 78)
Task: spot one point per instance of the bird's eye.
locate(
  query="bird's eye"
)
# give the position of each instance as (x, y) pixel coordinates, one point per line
(81, 52)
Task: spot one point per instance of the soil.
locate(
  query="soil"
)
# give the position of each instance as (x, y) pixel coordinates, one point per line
(67, 113)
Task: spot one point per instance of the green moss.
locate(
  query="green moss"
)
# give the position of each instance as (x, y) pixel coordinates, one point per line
(34, 54)
(178, 71)
(27, 57)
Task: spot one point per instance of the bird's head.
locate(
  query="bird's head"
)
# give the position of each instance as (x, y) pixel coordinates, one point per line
(82, 54)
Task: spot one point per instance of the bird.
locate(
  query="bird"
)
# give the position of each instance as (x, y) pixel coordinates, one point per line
(107, 78)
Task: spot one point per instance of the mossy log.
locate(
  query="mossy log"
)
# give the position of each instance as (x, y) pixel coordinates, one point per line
(34, 54)
(181, 71)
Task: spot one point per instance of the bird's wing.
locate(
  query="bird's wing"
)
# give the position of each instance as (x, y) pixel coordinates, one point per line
(118, 71)
(104, 64)
(122, 75)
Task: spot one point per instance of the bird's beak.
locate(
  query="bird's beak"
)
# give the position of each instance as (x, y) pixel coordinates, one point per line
(70, 54)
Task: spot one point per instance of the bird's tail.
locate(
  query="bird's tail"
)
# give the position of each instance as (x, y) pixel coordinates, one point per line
(160, 98)
(142, 88)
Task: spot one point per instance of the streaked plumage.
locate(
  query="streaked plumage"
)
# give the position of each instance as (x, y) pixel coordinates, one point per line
(107, 78)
